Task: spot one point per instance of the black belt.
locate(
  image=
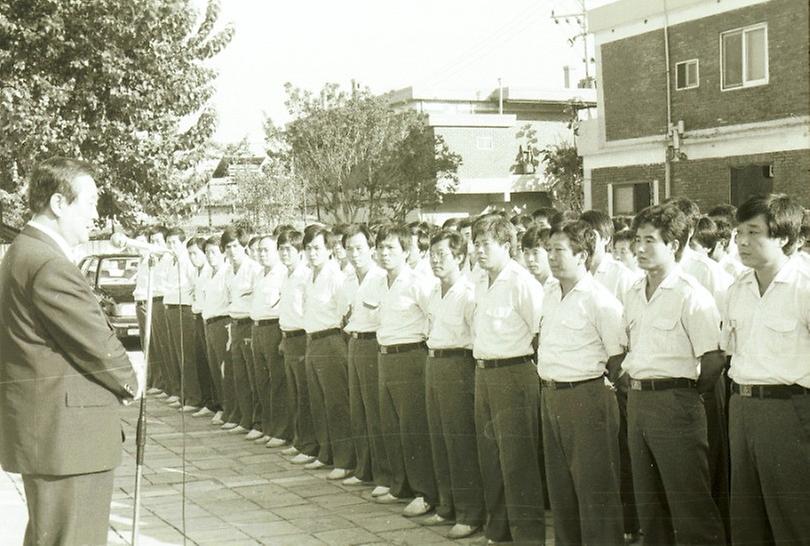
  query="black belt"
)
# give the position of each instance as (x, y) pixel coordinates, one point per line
(241, 321)
(502, 362)
(265, 322)
(176, 305)
(292, 333)
(446, 353)
(158, 299)
(559, 385)
(212, 320)
(364, 335)
(401, 348)
(769, 391)
(662, 384)
(323, 333)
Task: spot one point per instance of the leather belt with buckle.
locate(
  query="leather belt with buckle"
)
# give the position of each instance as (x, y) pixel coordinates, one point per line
(502, 362)
(364, 335)
(323, 333)
(769, 391)
(560, 385)
(265, 322)
(292, 333)
(241, 321)
(176, 305)
(447, 353)
(212, 320)
(662, 384)
(401, 348)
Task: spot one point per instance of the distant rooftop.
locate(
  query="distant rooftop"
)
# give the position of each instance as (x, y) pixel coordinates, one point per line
(622, 12)
(511, 94)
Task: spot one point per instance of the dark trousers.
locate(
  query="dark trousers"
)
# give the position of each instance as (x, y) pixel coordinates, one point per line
(203, 368)
(507, 409)
(261, 379)
(216, 339)
(164, 355)
(181, 335)
(404, 424)
(278, 408)
(629, 512)
(770, 470)
(364, 408)
(153, 376)
(450, 401)
(242, 362)
(303, 430)
(669, 452)
(715, 403)
(580, 439)
(328, 380)
(68, 510)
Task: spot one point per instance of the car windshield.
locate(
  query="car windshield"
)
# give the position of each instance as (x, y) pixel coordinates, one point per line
(117, 271)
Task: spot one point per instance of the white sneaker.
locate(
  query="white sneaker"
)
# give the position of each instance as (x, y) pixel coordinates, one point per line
(153, 390)
(353, 480)
(172, 399)
(290, 451)
(161, 395)
(217, 419)
(176, 404)
(380, 490)
(338, 474)
(388, 498)
(277, 442)
(417, 507)
(204, 412)
(314, 465)
(263, 440)
(254, 434)
(238, 430)
(189, 409)
(302, 458)
(229, 426)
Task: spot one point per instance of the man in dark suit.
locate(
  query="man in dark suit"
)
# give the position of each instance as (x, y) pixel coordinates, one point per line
(63, 373)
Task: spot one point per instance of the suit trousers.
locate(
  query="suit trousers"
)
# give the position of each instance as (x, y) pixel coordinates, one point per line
(164, 355)
(770, 470)
(242, 361)
(206, 382)
(216, 339)
(153, 377)
(230, 404)
(404, 424)
(277, 418)
(181, 335)
(581, 444)
(669, 453)
(328, 380)
(715, 403)
(629, 512)
(364, 408)
(450, 401)
(68, 510)
(304, 431)
(261, 379)
(507, 411)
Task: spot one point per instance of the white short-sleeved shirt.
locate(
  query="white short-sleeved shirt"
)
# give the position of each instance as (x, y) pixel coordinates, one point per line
(507, 314)
(215, 300)
(732, 265)
(708, 273)
(403, 309)
(200, 281)
(450, 316)
(615, 276)
(768, 336)
(362, 300)
(179, 281)
(579, 332)
(161, 271)
(142, 280)
(267, 293)
(291, 306)
(322, 308)
(668, 333)
(240, 288)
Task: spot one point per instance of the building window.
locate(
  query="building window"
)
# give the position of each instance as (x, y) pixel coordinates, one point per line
(630, 199)
(483, 142)
(750, 180)
(686, 75)
(744, 57)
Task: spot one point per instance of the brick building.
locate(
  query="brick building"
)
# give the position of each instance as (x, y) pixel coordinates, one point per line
(490, 129)
(704, 98)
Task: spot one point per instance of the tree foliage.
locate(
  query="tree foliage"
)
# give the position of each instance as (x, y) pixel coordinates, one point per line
(564, 167)
(121, 84)
(356, 157)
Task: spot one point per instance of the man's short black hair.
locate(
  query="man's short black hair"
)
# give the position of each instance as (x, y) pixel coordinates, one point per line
(535, 237)
(782, 215)
(450, 223)
(238, 234)
(291, 237)
(422, 237)
(176, 231)
(357, 229)
(706, 234)
(581, 237)
(55, 175)
(314, 231)
(599, 221)
(549, 213)
(155, 230)
(199, 242)
(214, 240)
(689, 208)
(499, 228)
(401, 232)
(455, 240)
(725, 210)
(671, 223)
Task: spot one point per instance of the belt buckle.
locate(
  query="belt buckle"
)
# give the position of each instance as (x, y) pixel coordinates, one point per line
(355, 335)
(551, 384)
(480, 364)
(635, 384)
(746, 390)
(383, 350)
(431, 353)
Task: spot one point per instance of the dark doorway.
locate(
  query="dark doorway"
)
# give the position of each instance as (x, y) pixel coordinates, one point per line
(750, 180)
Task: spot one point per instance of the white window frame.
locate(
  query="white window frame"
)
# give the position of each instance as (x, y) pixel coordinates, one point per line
(697, 74)
(655, 196)
(745, 82)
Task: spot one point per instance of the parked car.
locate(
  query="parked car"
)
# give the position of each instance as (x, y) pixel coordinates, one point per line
(112, 279)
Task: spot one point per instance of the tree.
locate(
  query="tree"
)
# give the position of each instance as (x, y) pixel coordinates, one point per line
(356, 157)
(120, 84)
(564, 167)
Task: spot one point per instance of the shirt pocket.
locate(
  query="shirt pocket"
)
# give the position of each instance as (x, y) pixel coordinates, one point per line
(779, 334)
(667, 338)
(498, 318)
(573, 331)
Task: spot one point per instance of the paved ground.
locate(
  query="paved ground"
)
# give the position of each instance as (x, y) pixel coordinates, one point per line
(236, 493)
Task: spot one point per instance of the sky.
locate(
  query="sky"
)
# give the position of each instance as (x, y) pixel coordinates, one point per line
(384, 45)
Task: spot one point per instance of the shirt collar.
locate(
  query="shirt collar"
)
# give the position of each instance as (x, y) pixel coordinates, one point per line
(60, 241)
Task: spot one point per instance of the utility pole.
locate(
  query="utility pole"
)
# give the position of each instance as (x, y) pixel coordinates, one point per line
(581, 21)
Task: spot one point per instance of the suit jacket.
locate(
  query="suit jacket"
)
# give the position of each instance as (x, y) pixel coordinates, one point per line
(63, 372)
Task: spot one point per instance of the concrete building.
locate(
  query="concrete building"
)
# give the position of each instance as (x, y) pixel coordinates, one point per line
(702, 98)
(490, 130)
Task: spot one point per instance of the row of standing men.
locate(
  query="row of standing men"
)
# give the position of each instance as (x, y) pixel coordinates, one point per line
(603, 387)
